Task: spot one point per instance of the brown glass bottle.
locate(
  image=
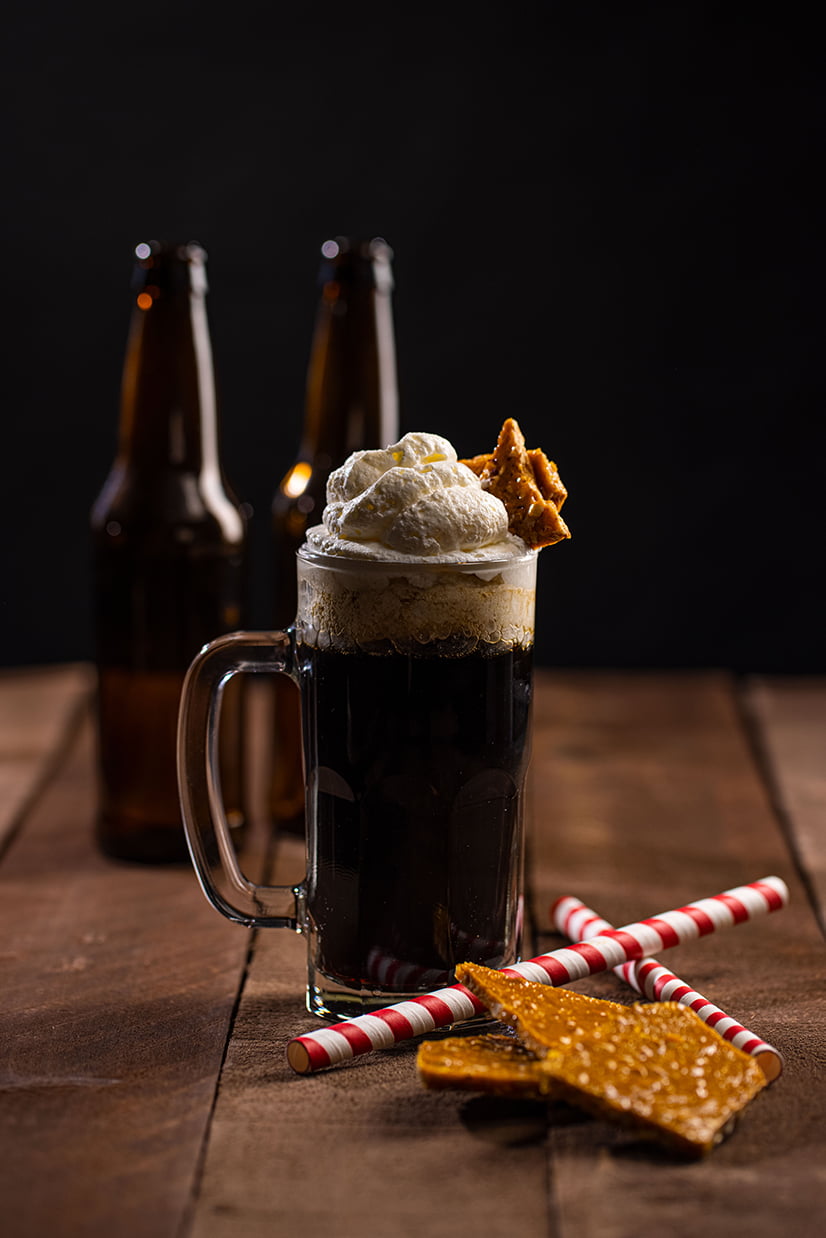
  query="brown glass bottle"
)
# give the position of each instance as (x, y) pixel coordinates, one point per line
(169, 543)
(351, 404)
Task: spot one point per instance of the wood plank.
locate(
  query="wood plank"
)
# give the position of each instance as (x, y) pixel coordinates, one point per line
(285, 1152)
(38, 710)
(790, 717)
(362, 1148)
(644, 788)
(647, 797)
(120, 982)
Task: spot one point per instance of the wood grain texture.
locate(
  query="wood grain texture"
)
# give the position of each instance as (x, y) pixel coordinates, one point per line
(358, 1149)
(38, 709)
(644, 796)
(119, 985)
(650, 798)
(790, 723)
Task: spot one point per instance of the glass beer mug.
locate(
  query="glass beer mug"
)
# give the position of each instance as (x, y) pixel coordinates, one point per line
(416, 685)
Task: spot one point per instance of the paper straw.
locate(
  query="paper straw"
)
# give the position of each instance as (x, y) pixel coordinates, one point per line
(657, 983)
(331, 1046)
(386, 971)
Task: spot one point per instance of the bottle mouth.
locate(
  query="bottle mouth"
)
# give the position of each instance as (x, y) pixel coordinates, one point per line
(376, 249)
(150, 252)
(170, 265)
(348, 259)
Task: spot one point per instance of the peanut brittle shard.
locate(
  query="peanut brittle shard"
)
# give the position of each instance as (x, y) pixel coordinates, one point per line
(655, 1067)
(528, 484)
(487, 1063)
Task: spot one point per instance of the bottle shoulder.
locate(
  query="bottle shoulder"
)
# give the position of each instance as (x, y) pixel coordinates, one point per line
(301, 494)
(175, 500)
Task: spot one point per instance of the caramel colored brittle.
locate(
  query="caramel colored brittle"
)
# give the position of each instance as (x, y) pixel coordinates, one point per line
(487, 1063)
(655, 1067)
(528, 484)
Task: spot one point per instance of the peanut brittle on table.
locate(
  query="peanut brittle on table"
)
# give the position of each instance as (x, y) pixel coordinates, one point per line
(655, 1067)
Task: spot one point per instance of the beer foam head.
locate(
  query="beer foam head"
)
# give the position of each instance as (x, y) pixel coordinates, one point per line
(412, 500)
(418, 608)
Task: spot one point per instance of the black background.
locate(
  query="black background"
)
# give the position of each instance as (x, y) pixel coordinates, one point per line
(604, 224)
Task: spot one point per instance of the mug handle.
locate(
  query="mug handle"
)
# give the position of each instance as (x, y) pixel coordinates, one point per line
(199, 781)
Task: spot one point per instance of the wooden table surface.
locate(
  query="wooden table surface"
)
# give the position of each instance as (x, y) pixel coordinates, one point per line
(143, 1084)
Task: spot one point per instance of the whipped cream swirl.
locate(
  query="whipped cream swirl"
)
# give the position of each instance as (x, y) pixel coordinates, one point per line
(412, 500)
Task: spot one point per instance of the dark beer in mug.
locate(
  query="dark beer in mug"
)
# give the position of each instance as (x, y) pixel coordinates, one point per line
(416, 753)
(416, 777)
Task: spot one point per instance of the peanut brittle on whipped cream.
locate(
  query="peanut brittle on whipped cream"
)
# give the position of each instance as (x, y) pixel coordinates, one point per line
(528, 484)
(416, 500)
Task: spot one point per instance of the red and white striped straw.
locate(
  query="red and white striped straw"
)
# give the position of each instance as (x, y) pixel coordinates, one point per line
(657, 983)
(331, 1046)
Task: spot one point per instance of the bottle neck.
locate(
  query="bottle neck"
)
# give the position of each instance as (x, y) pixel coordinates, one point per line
(352, 389)
(168, 402)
